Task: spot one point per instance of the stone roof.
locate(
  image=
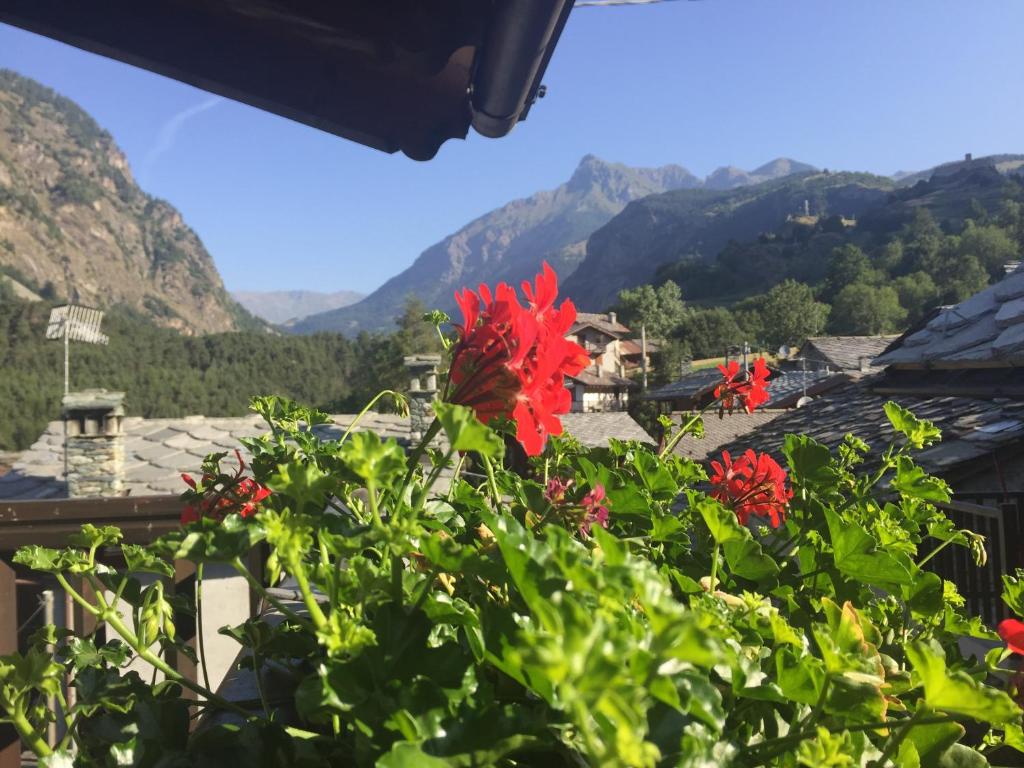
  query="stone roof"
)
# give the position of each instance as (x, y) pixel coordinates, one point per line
(594, 429)
(601, 321)
(986, 329)
(845, 353)
(158, 451)
(971, 427)
(606, 380)
(720, 431)
(784, 388)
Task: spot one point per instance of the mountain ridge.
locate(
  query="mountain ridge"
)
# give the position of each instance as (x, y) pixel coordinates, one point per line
(74, 225)
(510, 242)
(282, 307)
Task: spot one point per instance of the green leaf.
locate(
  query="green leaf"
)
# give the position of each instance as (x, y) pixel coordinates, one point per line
(856, 554)
(914, 482)
(139, 559)
(925, 596)
(91, 536)
(747, 560)
(405, 754)
(466, 432)
(919, 432)
(933, 740)
(809, 460)
(40, 559)
(721, 521)
(1013, 592)
(957, 692)
(304, 483)
(374, 460)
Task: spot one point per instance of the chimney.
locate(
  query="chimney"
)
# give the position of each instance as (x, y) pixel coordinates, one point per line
(94, 453)
(422, 391)
(613, 318)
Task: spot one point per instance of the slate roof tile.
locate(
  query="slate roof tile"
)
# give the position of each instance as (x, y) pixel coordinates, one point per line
(161, 449)
(987, 327)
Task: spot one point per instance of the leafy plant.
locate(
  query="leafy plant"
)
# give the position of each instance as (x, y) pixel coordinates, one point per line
(492, 619)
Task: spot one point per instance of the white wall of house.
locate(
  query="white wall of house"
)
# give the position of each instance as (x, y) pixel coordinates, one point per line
(585, 401)
(603, 349)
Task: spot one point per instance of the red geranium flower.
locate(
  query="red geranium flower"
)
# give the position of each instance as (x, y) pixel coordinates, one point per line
(222, 496)
(511, 361)
(752, 485)
(1012, 632)
(749, 390)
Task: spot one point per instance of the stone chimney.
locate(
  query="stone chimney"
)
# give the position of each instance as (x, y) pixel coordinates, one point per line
(95, 443)
(613, 318)
(422, 391)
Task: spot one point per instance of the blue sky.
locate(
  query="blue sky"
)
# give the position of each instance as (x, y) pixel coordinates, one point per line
(871, 85)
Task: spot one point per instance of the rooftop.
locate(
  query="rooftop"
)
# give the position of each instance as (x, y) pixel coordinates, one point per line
(158, 451)
(845, 353)
(590, 377)
(602, 321)
(971, 427)
(721, 431)
(985, 330)
(784, 388)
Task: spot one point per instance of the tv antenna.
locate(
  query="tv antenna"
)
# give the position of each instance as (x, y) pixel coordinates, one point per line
(68, 323)
(71, 322)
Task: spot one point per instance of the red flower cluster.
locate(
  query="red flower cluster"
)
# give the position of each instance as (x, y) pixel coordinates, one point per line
(511, 361)
(237, 494)
(593, 510)
(1012, 632)
(748, 390)
(752, 485)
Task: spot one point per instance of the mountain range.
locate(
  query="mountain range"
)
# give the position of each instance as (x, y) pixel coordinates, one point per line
(287, 307)
(510, 243)
(74, 224)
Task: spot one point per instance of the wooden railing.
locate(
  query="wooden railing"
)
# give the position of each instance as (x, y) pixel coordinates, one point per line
(48, 523)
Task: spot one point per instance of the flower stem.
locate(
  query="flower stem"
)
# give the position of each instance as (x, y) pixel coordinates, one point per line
(199, 624)
(366, 410)
(671, 444)
(492, 484)
(29, 736)
(714, 569)
(262, 592)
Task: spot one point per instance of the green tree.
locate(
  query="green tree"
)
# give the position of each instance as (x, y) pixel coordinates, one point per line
(848, 264)
(709, 332)
(917, 294)
(790, 314)
(866, 310)
(659, 309)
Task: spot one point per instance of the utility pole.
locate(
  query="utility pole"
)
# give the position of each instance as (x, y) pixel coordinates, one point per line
(643, 353)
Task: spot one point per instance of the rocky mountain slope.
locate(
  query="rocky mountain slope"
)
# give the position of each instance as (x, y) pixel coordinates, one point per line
(283, 306)
(698, 223)
(73, 223)
(511, 242)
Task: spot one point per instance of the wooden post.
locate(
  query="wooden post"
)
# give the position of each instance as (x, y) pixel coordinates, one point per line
(10, 744)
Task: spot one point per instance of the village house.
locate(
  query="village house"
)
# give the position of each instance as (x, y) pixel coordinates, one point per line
(603, 386)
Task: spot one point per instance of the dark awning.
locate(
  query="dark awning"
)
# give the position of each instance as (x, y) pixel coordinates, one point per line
(392, 74)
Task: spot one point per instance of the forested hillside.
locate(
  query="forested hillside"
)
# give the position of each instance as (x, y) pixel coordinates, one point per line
(934, 243)
(166, 374)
